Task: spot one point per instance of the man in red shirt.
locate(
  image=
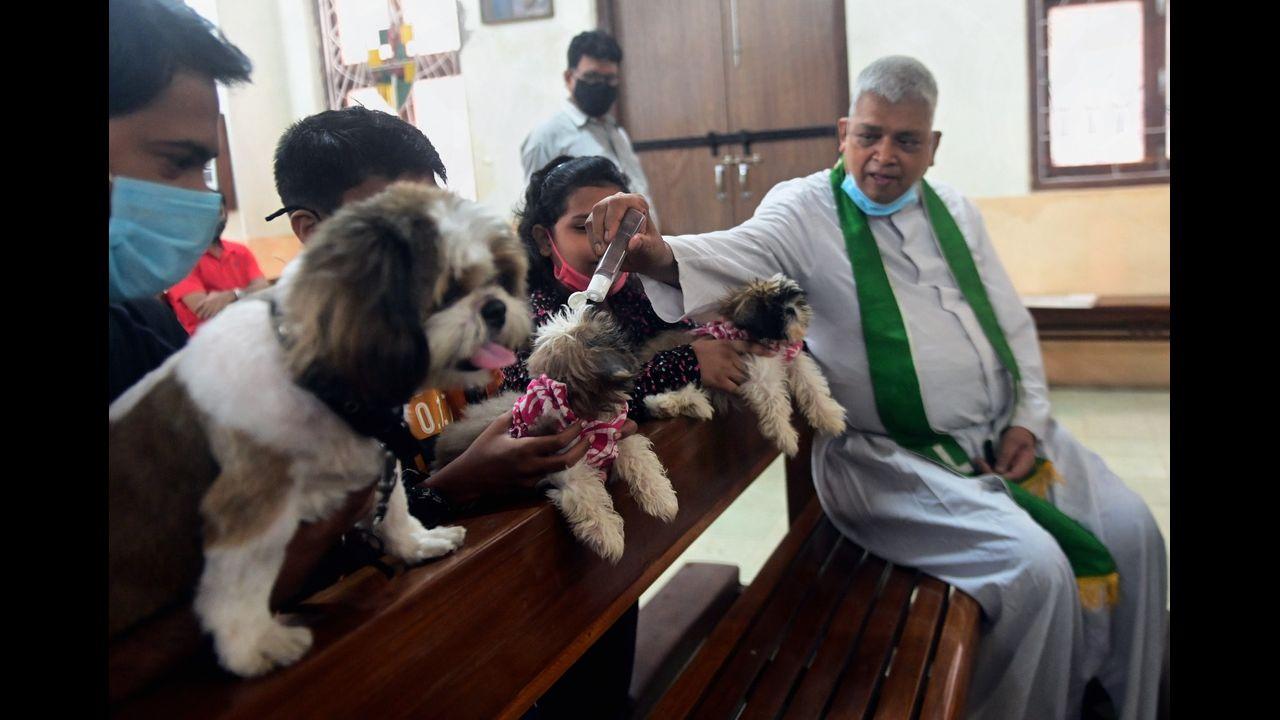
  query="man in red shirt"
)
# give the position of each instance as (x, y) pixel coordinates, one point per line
(225, 273)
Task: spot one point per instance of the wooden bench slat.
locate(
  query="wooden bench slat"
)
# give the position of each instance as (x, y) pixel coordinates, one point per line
(907, 670)
(778, 677)
(688, 688)
(841, 638)
(853, 696)
(730, 687)
(953, 661)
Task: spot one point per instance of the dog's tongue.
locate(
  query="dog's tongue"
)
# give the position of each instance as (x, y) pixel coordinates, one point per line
(492, 356)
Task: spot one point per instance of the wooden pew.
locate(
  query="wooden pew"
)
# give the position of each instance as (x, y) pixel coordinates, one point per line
(827, 629)
(484, 632)
(1112, 317)
(1122, 341)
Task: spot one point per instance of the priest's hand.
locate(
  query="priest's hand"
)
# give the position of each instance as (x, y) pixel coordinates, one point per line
(647, 252)
(1016, 456)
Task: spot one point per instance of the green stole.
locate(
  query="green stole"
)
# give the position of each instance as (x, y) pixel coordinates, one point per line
(897, 387)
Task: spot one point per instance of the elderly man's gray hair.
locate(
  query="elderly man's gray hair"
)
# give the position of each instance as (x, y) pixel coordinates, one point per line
(895, 78)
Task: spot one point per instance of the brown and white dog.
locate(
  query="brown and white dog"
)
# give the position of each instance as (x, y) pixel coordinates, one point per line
(583, 368)
(216, 456)
(774, 312)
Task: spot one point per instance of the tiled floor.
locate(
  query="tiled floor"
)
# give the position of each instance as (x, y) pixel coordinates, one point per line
(1129, 429)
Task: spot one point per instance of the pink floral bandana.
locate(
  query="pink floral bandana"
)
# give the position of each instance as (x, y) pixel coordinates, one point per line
(545, 396)
(725, 330)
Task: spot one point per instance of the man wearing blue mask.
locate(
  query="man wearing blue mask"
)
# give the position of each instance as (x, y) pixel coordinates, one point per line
(950, 461)
(162, 130)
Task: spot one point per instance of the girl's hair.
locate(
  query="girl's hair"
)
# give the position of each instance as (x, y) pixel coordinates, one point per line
(547, 196)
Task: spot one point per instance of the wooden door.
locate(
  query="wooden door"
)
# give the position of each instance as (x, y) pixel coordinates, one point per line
(788, 71)
(760, 66)
(673, 86)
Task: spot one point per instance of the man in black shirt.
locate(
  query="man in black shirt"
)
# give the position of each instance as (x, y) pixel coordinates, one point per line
(140, 335)
(164, 61)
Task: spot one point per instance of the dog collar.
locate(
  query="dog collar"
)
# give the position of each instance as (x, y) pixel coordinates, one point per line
(383, 423)
(725, 330)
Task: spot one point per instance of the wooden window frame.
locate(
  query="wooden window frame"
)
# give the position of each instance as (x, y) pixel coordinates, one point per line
(1044, 175)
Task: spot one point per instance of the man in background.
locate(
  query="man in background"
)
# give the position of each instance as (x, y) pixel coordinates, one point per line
(226, 272)
(583, 126)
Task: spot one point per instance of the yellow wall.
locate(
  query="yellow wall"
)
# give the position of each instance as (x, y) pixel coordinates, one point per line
(1110, 242)
(273, 252)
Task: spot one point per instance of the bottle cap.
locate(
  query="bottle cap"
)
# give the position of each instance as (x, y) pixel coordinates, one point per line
(599, 287)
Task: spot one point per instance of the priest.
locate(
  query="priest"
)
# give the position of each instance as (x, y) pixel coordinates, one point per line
(951, 461)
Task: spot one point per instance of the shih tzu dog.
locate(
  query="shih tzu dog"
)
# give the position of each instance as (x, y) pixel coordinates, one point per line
(582, 367)
(265, 418)
(772, 312)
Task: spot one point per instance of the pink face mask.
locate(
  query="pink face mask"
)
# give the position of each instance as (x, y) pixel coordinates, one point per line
(574, 280)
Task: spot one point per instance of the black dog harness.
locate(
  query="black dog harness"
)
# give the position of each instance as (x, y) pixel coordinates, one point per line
(384, 423)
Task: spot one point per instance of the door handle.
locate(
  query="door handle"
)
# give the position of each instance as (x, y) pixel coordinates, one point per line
(721, 192)
(744, 168)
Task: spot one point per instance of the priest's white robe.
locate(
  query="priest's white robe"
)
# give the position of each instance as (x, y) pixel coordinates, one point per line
(1038, 646)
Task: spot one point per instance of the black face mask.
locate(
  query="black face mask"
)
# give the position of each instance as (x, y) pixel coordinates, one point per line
(595, 98)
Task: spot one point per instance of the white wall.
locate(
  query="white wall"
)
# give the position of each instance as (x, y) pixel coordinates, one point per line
(977, 52)
(513, 73)
(281, 39)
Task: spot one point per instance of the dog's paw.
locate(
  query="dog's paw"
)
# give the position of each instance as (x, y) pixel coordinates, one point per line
(659, 500)
(787, 440)
(456, 533)
(829, 417)
(605, 537)
(603, 534)
(418, 544)
(688, 401)
(249, 654)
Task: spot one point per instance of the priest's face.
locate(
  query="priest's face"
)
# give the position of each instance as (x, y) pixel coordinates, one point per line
(888, 146)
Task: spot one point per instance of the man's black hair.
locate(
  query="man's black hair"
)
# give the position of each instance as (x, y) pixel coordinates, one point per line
(150, 40)
(547, 197)
(594, 43)
(322, 156)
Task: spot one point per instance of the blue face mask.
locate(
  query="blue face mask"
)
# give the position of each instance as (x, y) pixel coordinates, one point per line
(871, 207)
(157, 233)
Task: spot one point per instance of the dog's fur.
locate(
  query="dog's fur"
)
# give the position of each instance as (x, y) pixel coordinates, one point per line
(586, 351)
(770, 311)
(218, 454)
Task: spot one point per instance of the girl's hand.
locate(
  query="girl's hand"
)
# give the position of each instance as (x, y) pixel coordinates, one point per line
(722, 362)
(498, 465)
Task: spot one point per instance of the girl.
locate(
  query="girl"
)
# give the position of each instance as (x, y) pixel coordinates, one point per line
(561, 261)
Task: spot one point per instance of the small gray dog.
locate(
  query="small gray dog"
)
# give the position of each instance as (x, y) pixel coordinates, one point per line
(582, 367)
(772, 312)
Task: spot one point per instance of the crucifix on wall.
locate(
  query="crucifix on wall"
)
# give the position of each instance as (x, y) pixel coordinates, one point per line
(404, 54)
(394, 74)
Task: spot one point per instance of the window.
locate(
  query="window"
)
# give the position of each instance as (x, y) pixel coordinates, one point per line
(416, 74)
(1100, 92)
